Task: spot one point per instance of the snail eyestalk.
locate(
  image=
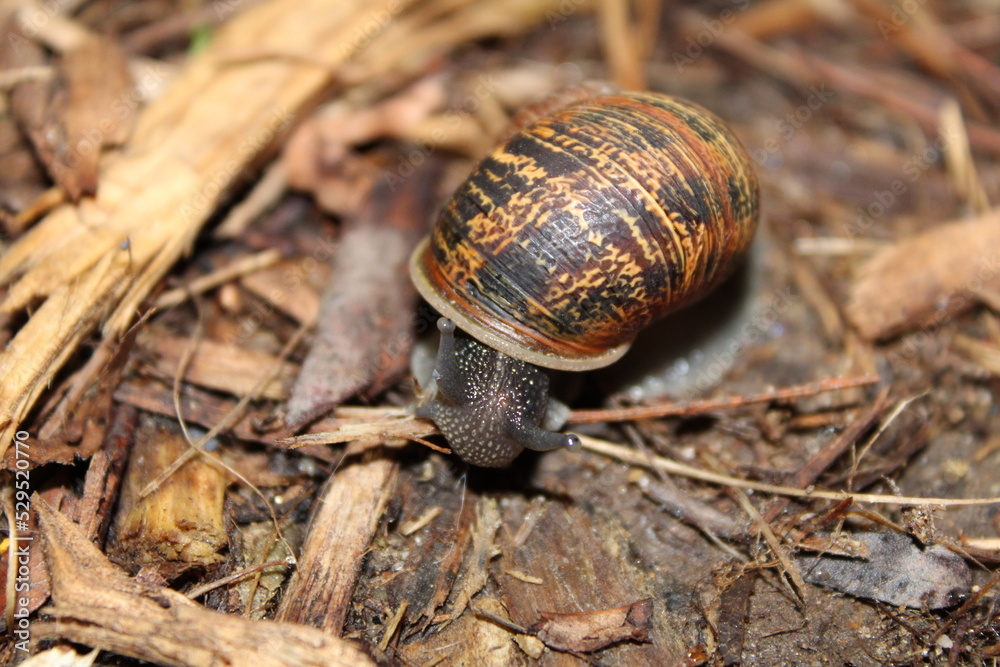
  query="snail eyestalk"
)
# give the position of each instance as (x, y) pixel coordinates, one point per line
(488, 405)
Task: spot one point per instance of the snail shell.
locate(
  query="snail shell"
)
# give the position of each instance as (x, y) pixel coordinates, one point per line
(588, 224)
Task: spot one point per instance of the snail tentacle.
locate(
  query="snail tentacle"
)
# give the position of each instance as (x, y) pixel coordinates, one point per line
(538, 439)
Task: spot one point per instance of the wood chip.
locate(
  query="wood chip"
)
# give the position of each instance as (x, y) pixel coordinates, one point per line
(104, 476)
(226, 368)
(95, 604)
(731, 616)
(183, 519)
(476, 564)
(340, 532)
(280, 286)
(985, 354)
(523, 576)
(411, 527)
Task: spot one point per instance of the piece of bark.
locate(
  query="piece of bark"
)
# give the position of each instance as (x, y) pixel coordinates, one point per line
(182, 520)
(927, 278)
(436, 553)
(294, 298)
(227, 368)
(104, 476)
(346, 516)
(476, 571)
(581, 562)
(95, 604)
(731, 617)
(365, 326)
(588, 631)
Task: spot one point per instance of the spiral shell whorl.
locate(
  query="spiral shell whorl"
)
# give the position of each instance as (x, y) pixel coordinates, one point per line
(587, 225)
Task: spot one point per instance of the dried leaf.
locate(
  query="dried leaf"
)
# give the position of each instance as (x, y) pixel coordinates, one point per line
(588, 631)
(897, 571)
(82, 110)
(926, 278)
(88, 113)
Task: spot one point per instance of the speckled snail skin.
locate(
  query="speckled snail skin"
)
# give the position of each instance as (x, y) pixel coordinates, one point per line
(564, 243)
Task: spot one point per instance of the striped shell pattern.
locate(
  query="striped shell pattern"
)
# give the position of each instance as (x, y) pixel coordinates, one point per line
(588, 224)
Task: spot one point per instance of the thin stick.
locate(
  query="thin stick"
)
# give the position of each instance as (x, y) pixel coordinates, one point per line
(711, 404)
(13, 77)
(788, 568)
(645, 460)
(196, 593)
(230, 272)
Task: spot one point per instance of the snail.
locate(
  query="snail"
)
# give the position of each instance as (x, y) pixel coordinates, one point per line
(567, 240)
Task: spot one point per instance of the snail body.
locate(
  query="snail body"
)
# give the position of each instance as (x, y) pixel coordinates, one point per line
(488, 404)
(581, 229)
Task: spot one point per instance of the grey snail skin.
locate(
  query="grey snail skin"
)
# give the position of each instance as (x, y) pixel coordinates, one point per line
(570, 238)
(489, 405)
